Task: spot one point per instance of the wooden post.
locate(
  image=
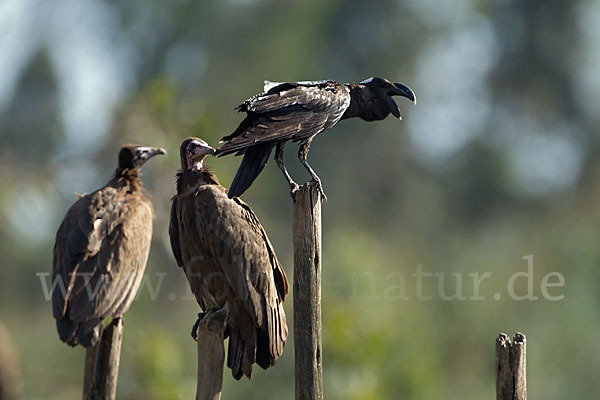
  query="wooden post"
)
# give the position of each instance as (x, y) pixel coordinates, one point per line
(211, 354)
(307, 293)
(88, 372)
(102, 364)
(511, 383)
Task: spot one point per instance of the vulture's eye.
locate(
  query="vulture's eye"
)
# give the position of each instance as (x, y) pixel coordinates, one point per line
(192, 146)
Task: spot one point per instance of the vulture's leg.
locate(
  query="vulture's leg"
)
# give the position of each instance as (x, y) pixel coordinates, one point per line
(279, 160)
(195, 326)
(302, 155)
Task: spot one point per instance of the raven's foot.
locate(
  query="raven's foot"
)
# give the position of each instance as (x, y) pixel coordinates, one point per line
(320, 189)
(294, 189)
(195, 326)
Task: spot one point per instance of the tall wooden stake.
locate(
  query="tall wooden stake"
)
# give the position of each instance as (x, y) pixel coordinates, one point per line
(102, 364)
(211, 354)
(307, 293)
(511, 383)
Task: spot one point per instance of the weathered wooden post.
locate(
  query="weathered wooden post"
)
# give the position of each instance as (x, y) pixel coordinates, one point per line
(511, 382)
(102, 364)
(307, 293)
(211, 354)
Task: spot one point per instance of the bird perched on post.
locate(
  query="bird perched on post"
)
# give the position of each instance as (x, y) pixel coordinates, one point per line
(228, 261)
(298, 111)
(101, 250)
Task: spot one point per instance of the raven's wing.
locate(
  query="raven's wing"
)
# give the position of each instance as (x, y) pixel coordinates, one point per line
(287, 111)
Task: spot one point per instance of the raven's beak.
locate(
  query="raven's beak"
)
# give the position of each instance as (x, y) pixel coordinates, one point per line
(393, 107)
(400, 89)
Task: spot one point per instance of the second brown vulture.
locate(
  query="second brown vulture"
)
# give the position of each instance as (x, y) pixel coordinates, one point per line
(101, 250)
(229, 262)
(298, 111)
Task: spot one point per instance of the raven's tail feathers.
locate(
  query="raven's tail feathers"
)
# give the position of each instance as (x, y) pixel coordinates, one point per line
(255, 159)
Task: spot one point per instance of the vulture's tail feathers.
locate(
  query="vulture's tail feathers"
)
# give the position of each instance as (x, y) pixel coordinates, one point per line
(249, 352)
(89, 333)
(255, 159)
(67, 331)
(270, 343)
(234, 354)
(263, 356)
(86, 334)
(241, 353)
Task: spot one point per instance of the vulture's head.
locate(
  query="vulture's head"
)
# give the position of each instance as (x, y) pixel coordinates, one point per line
(192, 153)
(134, 156)
(378, 93)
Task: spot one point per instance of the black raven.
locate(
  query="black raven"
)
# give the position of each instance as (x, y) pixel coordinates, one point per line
(298, 111)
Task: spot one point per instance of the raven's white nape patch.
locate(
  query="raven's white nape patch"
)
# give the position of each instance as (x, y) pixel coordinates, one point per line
(366, 81)
(268, 85)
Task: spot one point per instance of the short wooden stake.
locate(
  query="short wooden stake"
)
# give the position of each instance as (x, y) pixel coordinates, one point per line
(511, 380)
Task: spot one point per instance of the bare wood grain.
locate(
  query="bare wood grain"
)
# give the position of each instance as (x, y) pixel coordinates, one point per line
(102, 364)
(307, 293)
(511, 382)
(518, 365)
(211, 354)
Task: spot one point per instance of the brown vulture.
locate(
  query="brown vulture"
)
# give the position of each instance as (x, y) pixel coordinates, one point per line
(101, 251)
(229, 262)
(298, 111)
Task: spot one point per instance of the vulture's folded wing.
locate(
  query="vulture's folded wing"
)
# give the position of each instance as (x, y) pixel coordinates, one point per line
(174, 232)
(91, 243)
(239, 245)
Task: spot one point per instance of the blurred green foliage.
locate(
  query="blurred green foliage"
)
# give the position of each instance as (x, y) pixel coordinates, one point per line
(497, 161)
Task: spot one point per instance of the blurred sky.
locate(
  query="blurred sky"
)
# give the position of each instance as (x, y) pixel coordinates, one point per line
(97, 63)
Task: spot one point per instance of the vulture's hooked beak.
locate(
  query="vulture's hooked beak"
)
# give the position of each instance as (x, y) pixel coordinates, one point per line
(195, 152)
(202, 150)
(143, 154)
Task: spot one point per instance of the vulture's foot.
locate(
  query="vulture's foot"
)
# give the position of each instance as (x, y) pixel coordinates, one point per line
(195, 326)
